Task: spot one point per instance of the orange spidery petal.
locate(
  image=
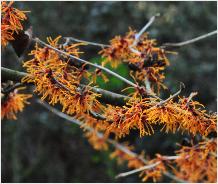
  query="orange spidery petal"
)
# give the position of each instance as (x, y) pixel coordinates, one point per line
(98, 143)
(13, 103)
(121, 157)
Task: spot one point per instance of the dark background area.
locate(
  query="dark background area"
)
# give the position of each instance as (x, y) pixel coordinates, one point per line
(41, 147)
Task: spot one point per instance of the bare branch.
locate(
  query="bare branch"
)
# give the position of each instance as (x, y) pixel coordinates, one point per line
(180, 44)
(137, 37)
(12, 88)
(87, 42)
(182, 86)
(148, 88)
(8, 74)
(190, 98)
(146, 167)
(58, 113)
(137, 170)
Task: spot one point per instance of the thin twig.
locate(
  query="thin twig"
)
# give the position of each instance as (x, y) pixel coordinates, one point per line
(9, 74)
(190, 98)
(58, 113)
(11, 88)
(137, 170)
(180, 44)
(148, 89)
(97, 115)
(137, 36)
(182, 86)
(87, 62)
(87, 42)
(146, 167)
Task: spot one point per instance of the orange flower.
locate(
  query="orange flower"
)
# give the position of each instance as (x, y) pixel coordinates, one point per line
(198, 163)
(195, 119)
(13, 103)
(10, 21)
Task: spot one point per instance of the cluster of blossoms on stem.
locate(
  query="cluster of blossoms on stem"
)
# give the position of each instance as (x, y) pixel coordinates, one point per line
(13, 102)
(143, 57)
(57, 79)
(143, 114)
(198, 163)
(11, 21)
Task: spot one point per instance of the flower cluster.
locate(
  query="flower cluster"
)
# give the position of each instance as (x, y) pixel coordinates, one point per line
(11, 21)
(143, 114)
(198, 163)
(143, 56)
(12, 103)
(57, 78)
(195, 163)
(131, 116)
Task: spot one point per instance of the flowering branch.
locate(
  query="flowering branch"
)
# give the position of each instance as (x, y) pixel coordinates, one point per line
(87, 62)
(165, 45)
(112, 142)
(107, 96)
(77, 122)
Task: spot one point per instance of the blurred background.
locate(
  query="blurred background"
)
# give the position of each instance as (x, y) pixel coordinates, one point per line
(41, 147)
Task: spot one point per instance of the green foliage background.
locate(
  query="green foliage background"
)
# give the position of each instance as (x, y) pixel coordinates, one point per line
(41, 147)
